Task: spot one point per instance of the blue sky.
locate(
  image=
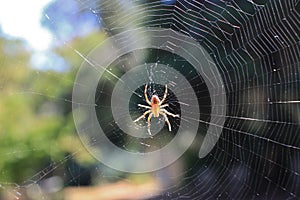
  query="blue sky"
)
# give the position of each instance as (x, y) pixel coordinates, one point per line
(42, 24)
(21, 19)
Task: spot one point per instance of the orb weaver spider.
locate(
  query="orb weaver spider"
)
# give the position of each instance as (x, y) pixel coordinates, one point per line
(156, 108)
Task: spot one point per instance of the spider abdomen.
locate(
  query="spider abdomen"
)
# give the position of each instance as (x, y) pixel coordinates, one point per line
(155, 110)
(155, 107)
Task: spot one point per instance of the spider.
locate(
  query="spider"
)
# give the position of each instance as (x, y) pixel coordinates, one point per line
(156, 108)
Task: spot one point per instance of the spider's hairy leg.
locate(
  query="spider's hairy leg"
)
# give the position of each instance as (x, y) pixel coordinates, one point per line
(165, 95)
(143, 106)
(163, 106)
(168, 113)
(149, 122)
(146, 96)
(166, 119)
(143, 115)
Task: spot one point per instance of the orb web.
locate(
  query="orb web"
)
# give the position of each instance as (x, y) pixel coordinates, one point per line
(255, 46)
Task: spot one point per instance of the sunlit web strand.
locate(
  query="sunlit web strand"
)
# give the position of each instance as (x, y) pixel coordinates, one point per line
(246, 133)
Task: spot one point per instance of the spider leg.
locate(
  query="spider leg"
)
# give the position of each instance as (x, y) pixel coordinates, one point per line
(146, 96)
(143, 106)
(163, 106)
(166, 119)
(143, 115)
(165, 95)
(149, 122)
(168, 113)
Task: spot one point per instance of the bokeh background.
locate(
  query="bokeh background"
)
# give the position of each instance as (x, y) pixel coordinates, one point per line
(255, 46)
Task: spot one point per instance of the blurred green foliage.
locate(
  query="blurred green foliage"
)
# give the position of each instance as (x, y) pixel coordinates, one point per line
(36, 124)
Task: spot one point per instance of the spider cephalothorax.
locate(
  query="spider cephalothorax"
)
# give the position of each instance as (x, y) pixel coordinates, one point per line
(156, 108)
